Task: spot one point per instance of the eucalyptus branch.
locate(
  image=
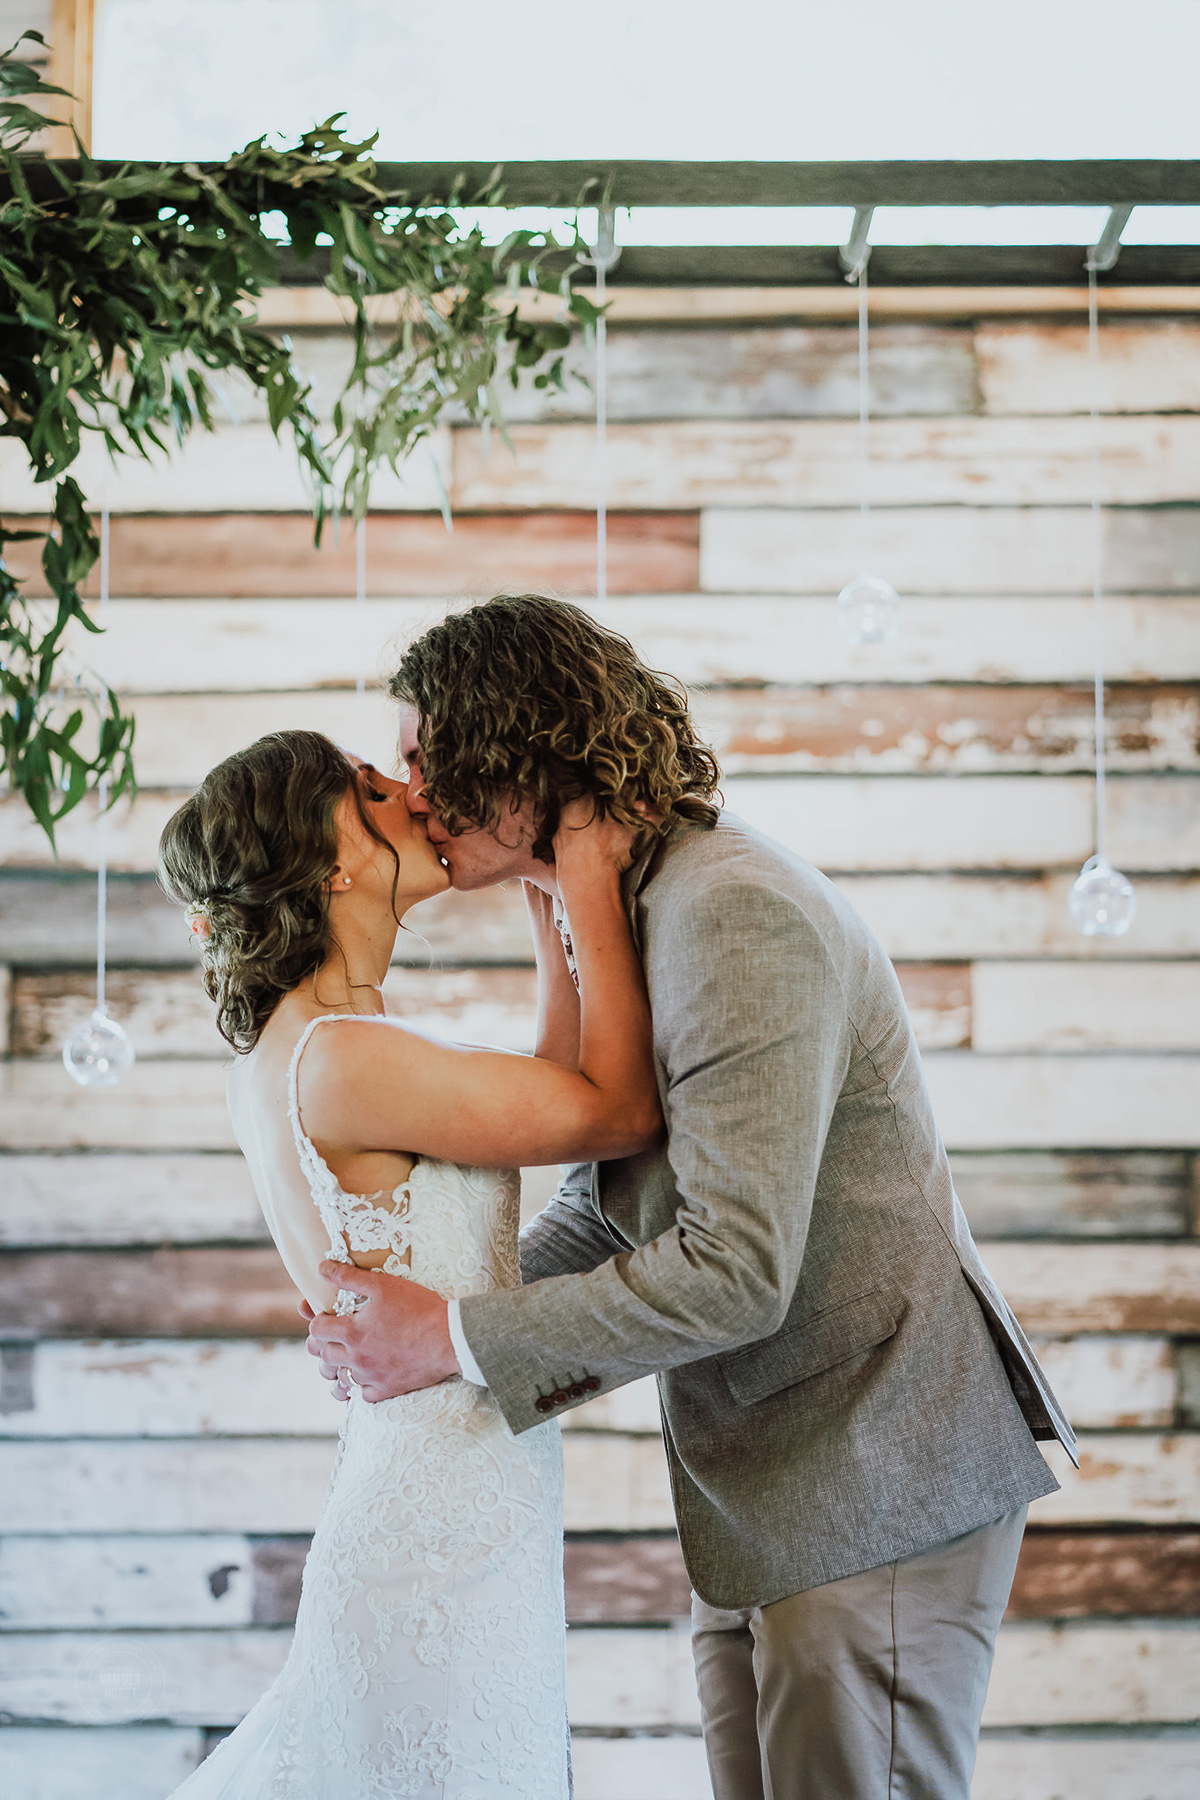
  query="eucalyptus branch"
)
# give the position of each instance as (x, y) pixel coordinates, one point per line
(123, 295)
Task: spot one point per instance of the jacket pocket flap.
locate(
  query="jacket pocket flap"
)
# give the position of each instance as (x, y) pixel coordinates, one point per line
(804, 1350)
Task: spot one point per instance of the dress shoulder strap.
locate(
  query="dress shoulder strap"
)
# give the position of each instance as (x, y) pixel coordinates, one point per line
(319, 1175)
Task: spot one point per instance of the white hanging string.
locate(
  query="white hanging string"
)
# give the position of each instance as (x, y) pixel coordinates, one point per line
(601, 441)
(1097, 569)
(864, 427)
(360, 600)
(102, 799)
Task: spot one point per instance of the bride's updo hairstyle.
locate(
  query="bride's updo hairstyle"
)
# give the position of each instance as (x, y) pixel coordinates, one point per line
(251, 855)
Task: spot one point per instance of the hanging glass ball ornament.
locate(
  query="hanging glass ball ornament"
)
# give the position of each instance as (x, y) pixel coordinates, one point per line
(1102, 901)
(99, 1053)
(868, 610)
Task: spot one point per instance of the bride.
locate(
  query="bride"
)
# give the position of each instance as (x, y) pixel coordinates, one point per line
(429, 1653)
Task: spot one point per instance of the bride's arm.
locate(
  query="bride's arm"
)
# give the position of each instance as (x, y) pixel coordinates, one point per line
(390, 1089)
(558, 998)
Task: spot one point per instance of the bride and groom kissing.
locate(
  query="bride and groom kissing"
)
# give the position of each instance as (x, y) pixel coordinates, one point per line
(756, 1207)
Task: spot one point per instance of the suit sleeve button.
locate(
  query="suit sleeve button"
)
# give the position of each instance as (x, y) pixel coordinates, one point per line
(592, 1384)
(560, 1398)
(544, 1403)
(576, 1391)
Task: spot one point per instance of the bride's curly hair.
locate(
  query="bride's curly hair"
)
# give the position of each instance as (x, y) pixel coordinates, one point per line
(250, 855)
(529, 695)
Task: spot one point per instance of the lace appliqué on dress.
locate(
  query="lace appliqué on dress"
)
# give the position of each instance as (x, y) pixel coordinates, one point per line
(429, 1655)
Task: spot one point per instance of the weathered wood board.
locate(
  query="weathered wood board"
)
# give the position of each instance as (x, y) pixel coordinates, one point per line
(1139, 1478)
(1073, 1006)
(127, 1199)
(953, 550)
(248, 554)
(49, 921)
(1152, 366)
(843, 729)
(167, 1013)
(81, 1199)
(138, 1762)
(847, 823)
(975, 462)
(1027, 1102)
(1033, 1193)
(289, 644)
(1055, 1675)
(270, 1387)
(243, 1291)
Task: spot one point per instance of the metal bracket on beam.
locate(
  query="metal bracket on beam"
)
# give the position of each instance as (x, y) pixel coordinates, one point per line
(857, 253)
(1103, 256)
(605, 254)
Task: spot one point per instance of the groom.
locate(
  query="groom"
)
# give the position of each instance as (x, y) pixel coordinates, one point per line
(848, 1404)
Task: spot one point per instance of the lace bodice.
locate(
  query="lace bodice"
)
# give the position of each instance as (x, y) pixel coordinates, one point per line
(450, 1227)
(429, 1656)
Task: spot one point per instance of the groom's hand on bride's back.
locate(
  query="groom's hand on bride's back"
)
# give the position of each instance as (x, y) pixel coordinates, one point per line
(397, 1342)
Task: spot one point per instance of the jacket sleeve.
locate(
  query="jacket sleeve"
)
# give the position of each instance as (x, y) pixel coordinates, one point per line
(568, 1236)
(751, 1032)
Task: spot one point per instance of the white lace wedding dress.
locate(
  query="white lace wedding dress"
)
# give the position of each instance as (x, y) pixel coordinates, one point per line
(429, 1654)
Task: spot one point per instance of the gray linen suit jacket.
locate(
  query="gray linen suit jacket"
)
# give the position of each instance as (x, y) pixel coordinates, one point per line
(842, 1383)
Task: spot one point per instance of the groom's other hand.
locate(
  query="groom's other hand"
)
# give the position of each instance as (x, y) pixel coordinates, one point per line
(398, 1342)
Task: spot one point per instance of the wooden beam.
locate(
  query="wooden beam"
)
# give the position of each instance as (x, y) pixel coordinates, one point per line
(72, 29)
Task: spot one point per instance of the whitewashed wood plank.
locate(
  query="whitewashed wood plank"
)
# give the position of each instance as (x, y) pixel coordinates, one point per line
(844, 822)
(243, 1388)
(960, 822)
(1136, 1478)
(1051, 1102)
(175, 1388)
(626, 1768)
(1074, 1006)
(978, 916)
(1102, 1382)
(260, 646)
(1151, 366)
(931, 729)
(1059, 1288)
(115, 1199)
(632, 1409)
(268, 1485)
(233, 469)
(1076, 1194)
(1104, 1767)
(627, 1679)
(967, 461)
(642, 1678)
(1112, 1674)
(138, 1762)
(616, 1483)
(844, 729)
(167, 1013)
(768, 372)
(86, 1583)
(179, 1387)
(48, 921)
(205, 1678)
(158, 1106)
(947, 550)
(982, 1103)
(260, 1485)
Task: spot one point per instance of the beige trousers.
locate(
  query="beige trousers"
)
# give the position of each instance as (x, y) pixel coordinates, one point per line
(870, 1688)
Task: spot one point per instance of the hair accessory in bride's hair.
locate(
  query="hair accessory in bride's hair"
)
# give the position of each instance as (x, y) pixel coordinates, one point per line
(199, 921)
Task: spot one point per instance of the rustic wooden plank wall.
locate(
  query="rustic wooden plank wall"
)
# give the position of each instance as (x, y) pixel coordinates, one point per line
(163, 1441)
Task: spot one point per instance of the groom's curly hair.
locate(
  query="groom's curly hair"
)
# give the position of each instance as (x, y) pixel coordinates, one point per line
(528, 695)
